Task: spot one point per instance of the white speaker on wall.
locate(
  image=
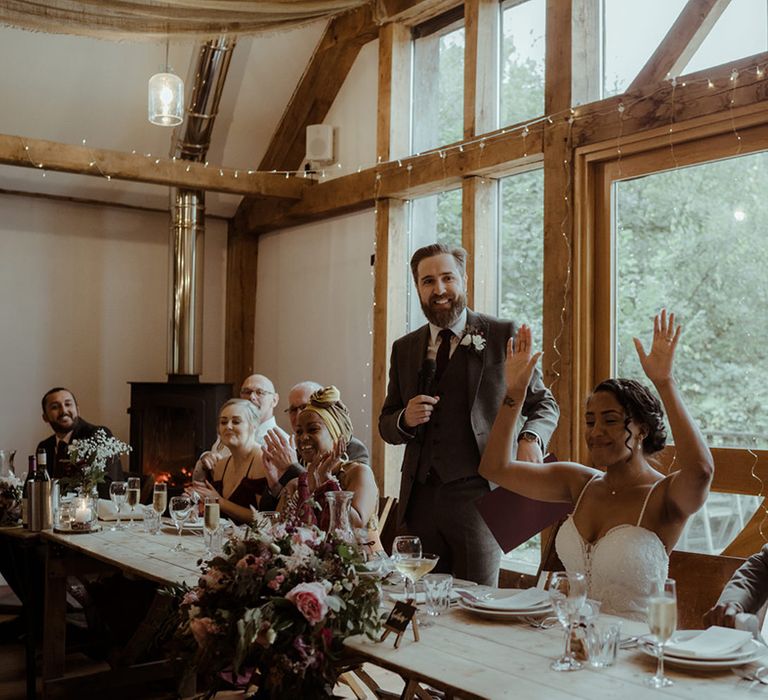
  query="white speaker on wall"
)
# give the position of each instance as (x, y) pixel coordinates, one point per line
(320, 143)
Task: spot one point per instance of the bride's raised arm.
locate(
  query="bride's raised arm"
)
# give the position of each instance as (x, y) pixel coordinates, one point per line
(555, 481)
(689, 487)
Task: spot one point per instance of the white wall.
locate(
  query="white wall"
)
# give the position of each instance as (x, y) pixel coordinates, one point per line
(83, 304)
(314, 308)
(314, 301)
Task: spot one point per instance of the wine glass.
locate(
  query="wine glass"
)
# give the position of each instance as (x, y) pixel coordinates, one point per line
(662, 621)
(180, 509)
(211, 523)
(160, 497)
(117, 492)
(133, 494)
(567, 593)
(411, 562)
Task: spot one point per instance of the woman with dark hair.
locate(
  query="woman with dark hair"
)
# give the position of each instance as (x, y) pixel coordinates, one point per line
(323, 431)
(627, 515)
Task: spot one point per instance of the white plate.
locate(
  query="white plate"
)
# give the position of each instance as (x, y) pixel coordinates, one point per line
(504, 599)
(757, 651)
(503, 614)
(744, 651)
(196, 526)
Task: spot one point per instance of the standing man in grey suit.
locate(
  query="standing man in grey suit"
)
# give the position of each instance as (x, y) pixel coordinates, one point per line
(446, 383)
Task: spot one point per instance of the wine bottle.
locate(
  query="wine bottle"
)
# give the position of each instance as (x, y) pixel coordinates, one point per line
(39, 499)
(25, 491)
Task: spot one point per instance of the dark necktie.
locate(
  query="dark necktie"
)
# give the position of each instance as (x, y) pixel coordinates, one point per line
(61, 468)
(443, 352)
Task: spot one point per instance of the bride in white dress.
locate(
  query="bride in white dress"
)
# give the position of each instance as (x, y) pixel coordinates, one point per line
(627, 516)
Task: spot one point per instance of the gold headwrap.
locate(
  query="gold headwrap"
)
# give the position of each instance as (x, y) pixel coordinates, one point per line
(327, 404)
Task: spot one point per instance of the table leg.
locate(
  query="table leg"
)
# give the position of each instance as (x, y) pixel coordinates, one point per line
(54, 631)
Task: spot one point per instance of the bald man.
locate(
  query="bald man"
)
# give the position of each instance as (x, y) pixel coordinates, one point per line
(260, 391)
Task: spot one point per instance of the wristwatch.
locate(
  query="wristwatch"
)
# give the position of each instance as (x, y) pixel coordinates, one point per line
(528, 436)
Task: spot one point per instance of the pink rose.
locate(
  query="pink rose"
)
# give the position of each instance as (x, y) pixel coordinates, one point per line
(310, 599)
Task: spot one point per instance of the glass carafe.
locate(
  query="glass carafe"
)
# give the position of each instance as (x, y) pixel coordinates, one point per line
(6, 462)
(339, 503)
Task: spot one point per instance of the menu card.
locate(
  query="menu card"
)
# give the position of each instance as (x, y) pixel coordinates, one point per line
(514, 519)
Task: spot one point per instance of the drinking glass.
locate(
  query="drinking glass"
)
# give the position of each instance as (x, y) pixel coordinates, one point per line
(437, 592)
(133, 494)
(567, 593)
(662, 621)
(411, 562)
(160, 497)
(180, 509)
(117, 492)
(211, 523)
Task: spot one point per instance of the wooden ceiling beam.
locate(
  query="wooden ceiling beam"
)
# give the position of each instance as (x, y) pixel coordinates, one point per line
(681, 42)
(98, 162)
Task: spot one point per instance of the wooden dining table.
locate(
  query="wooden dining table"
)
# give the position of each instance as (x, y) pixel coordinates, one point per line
(466, 656)
(135, 553)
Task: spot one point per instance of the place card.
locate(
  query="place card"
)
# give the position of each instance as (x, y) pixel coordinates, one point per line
(403, 614)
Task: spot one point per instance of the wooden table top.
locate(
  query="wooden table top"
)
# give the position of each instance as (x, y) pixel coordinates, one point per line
(139, 553)
(476, 658)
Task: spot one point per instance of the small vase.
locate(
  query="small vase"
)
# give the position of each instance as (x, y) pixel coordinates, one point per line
(84, 515)
(339, 503)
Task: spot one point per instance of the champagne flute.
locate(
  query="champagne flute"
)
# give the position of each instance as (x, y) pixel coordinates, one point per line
(117, 492)
(567, 593)
(662, 621)
(211, 523)
(180, 509)
(160, 497)
(134, 491)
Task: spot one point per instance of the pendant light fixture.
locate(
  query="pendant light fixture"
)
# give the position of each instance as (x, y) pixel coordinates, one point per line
(166, 96)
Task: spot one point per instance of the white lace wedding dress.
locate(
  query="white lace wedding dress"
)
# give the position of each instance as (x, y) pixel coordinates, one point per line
(621, 567)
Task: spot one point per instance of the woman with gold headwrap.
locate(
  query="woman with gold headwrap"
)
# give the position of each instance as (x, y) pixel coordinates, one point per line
(323, 431)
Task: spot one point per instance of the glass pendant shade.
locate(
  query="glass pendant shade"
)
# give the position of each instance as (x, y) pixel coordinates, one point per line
(166, 99)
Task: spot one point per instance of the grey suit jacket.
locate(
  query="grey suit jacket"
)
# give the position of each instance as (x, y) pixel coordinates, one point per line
(486, 386)
(749, 585)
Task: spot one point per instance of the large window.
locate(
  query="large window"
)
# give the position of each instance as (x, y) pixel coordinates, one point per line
(438, 83)
(432, 219)
(521, 92)
(694, 240)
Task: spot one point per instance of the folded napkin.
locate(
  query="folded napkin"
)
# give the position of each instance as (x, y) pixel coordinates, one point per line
(106, 510)
(522, 600)
(711, 643)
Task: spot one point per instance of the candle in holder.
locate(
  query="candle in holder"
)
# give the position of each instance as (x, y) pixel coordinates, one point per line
(83, 512)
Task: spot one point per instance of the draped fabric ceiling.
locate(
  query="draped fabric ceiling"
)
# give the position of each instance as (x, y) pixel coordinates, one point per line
(132, 19)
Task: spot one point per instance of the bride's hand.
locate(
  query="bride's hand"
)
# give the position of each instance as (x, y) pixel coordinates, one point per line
(657, 364)
(519, 364)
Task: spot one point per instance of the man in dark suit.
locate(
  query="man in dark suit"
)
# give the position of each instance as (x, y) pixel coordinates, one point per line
(61, 413)
(746, 592)
(446, 384)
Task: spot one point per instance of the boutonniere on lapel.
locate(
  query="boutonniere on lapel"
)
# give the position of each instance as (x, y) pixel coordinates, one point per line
(473, 338)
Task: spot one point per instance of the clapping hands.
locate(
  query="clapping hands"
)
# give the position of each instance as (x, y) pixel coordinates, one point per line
(322, 467)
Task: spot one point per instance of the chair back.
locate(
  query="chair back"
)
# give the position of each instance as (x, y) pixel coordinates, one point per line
(700, 580)
(387, 522)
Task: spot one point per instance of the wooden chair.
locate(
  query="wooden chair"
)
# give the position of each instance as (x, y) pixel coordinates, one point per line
(700, 579)
(387, 521)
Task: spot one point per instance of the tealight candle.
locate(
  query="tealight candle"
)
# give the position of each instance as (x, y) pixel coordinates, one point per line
(83, 513)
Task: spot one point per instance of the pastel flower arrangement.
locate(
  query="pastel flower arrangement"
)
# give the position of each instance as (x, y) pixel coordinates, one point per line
(90, 455)
(473, 338)
(270, 615)
(10, 499)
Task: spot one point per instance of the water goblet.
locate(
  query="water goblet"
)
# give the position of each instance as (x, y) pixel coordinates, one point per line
(133, 493)
(662, 621)
(117, 492)
(180, 509)
(160, 497)
(567, 593)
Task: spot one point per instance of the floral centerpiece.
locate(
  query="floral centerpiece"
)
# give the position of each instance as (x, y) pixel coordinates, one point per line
(89, 460)
(10, 499)
(270, 615)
